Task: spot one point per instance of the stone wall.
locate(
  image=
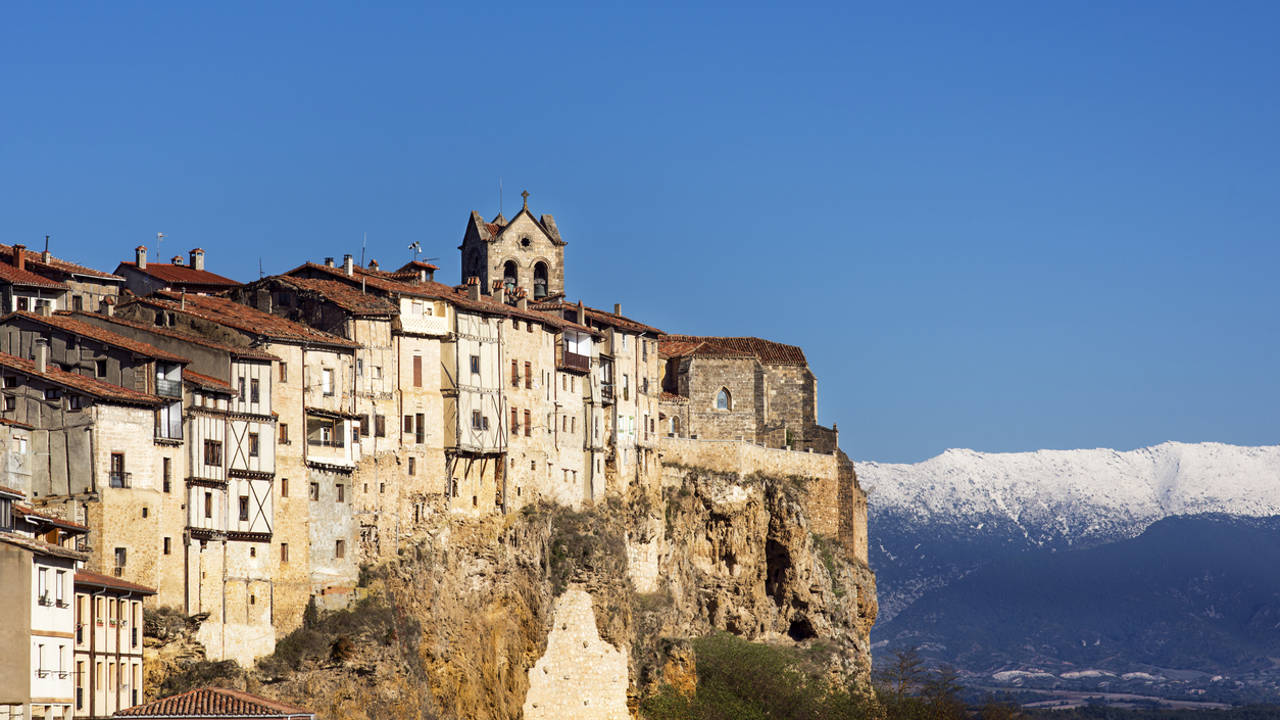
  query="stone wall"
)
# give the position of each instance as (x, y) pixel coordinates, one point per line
(580, 675)
(835, 505)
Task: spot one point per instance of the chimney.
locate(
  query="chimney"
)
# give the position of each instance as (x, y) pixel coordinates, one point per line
(348, 266)
(328, 262)
(422, 276)
(197, 259)
(373, 264)
(617, 308)
(473, 287)
(176, 260)
(19, 258)
(140, 254)
(108, 306)
(42, 355)
(46, 256)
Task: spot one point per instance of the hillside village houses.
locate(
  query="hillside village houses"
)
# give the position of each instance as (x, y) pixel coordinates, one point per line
(237, 451)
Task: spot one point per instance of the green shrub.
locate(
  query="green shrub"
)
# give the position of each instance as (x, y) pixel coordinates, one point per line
(744, 680)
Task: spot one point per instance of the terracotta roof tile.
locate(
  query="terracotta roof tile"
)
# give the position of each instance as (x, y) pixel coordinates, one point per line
(672, 398)
(84, 577)
(27, 510)
(415, 265)
(35, 262)
(601, 317)
(239, 351)
(211, 702)
(766, 351)
(80, 383)
(39, 546)
(179, 274)
(204, 381)
(14, 276)
(456, 295)
(64, 321)
(341, 294)
(242, 317)
(12, 491)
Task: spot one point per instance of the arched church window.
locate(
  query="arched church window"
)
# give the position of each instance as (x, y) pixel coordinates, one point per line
(724, 401)
(510, 275)
(539, 280)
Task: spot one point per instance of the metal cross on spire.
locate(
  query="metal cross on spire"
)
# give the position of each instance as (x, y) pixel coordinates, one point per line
(525, 195)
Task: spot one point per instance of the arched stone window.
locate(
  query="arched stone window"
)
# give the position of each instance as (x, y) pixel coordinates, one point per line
(724, 401)
(539, 280)
(675, 425)
(510, 275)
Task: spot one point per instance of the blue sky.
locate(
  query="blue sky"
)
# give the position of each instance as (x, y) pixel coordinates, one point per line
(1004, 226)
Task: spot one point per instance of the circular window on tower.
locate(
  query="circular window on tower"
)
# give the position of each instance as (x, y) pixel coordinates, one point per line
(524, 242)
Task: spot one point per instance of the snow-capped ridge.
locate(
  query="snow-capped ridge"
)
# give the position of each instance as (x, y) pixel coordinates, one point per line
(1078, 492)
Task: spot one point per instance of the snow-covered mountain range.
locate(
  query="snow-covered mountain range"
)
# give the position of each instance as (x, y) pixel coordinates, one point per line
(937, 520)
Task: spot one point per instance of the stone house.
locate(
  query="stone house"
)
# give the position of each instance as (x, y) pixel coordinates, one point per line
(99, 449)
(24, 290)
(143, 278)
(311, 390)
(86, 288)
(37, 561)
(108, 643)
(393, 371)
(228, 541)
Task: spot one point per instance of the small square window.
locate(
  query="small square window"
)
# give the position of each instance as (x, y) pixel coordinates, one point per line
(315, 491)
(101, 368)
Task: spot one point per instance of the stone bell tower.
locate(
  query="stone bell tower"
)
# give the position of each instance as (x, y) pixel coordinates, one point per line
(524, 252)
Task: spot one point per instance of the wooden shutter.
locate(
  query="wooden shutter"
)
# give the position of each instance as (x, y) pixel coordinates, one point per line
(417, 371)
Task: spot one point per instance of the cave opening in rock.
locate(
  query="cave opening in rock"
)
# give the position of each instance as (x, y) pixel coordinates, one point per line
(801, 629)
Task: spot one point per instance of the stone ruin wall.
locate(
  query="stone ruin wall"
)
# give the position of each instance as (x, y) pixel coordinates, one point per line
(835, 505)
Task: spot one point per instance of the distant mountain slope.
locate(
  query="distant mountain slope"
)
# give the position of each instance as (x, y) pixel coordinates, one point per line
(935, 521)
(1190, 593)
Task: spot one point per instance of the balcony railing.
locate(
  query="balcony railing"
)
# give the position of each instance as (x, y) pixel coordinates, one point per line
(606, 391)
(574, 361)
(320, 442)
(168, 388)
(120, 479)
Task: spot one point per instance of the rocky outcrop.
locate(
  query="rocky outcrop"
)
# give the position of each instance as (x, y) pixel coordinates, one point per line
(534, 612)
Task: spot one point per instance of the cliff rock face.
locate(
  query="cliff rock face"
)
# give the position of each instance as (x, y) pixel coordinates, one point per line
(553, 613)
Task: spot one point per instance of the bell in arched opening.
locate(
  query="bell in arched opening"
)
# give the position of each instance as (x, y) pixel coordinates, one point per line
(539, 280)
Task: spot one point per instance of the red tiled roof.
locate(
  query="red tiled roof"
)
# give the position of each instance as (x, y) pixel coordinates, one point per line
(672, 397)
(239, 351)
(14, 276)
(437, 291)
(179, 274)
(15, 423)
(63, 321)
(12, 491)
(35, 261)
(344, 296)
(26, 510)
(39, 546)
(766, 351)
(242, 317)
(84, 577)
(600, 316)
(416, 265)
(204, 381)
(211, 702)
(80, 383)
